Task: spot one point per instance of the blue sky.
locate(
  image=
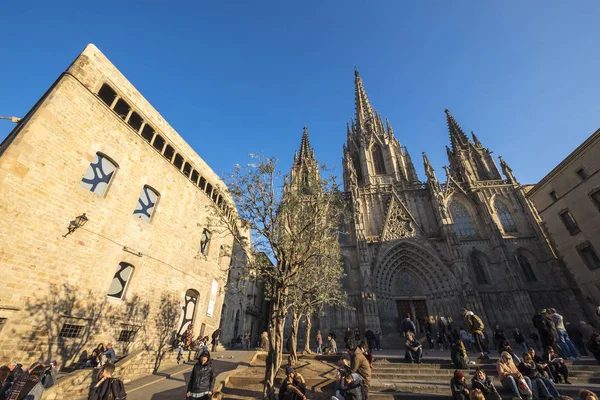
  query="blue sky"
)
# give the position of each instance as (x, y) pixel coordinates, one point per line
(239, 77)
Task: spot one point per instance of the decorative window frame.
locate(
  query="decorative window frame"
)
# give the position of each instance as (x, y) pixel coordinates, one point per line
(110, 182)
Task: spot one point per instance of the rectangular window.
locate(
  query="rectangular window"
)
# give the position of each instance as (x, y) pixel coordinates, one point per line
(569, 222)
(169, 152)
(135, 121)
(127, 335)
(107, 94)
(2, 323)
(187, 169)
(71, 331)
(194, 177)
(588, 255)
(178, 161)
(148, 133)
(209, 189)
(158, 143)
(122, 108)
(582, 174)
(553, 195)
(202, 183)
(595, 196)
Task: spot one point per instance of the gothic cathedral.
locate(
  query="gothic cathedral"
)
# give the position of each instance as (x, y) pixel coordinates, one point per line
(432, 248)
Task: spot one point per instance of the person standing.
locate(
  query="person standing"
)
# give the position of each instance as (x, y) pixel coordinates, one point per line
(107, 385)
(215, 339)
(202, 380)
(246, 340)
(378, 339)
(319, 343)
(356, 336)
(408, 325)
(475, 326)
(499, 338)
(563, 336)
(370, 336)
(348, 338)
(520, 339)
(577, 337)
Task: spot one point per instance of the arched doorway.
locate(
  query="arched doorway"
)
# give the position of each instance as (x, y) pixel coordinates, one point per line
(189, 309)
(409, 279)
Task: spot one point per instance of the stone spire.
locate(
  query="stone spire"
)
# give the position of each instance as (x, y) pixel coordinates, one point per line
(364, 111)
(476, 140)
(429, 171)
(507, 171)
(305, 149)
(457, 136)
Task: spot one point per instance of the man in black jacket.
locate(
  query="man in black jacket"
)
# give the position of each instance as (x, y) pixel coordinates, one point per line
(202, 380)
(107, 386)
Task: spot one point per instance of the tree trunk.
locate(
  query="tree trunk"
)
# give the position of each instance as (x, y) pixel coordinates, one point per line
(275, 332)
(307, 335)
(294, 338)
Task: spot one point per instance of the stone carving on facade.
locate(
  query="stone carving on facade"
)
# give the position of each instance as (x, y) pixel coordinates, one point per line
(398, 224)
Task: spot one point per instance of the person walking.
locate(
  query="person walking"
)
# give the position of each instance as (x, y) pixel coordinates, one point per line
(107, 386)
(202, 380)
(408, 325)
(216, 335)
(476, 326)
(566, 343)
(319, 342)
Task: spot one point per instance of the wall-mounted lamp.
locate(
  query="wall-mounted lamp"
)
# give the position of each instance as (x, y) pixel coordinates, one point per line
(75, 224)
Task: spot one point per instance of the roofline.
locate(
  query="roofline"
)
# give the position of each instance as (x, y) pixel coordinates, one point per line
(583, 146)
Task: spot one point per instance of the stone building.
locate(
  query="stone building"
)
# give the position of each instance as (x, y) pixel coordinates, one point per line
(244, 307)
(431, 248)
(568, 200)
(93, 147)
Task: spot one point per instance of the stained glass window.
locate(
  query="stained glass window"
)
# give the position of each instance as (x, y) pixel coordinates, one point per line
(526, 267)
(120, 281)
(463, 224)
(478, 267)
(505, 217)
(99, 174)
(146, 203)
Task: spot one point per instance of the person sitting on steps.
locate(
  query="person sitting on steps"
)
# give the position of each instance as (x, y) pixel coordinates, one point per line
(414, 350)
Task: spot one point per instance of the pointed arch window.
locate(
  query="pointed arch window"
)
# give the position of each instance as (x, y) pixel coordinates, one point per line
(525, 265)
(356, 163)
(378, 160)
(505, 217)
(120, 281)
(99, 174)
(463, 224)
(478, 265)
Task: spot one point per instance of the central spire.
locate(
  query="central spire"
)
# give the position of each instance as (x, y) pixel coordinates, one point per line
(305, 150)
(364, 111)
(457, 136)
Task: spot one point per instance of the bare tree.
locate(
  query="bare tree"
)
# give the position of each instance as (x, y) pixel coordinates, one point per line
(290, 230)
(165, 321)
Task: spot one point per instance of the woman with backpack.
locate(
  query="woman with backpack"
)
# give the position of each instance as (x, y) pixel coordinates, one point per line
(475, 326)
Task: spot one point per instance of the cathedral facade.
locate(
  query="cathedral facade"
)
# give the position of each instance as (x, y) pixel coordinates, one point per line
(468, 240)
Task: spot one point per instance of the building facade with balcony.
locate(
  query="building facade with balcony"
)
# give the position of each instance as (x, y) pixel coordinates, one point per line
(146, 264)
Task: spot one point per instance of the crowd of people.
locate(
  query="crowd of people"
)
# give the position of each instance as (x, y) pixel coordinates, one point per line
(17, 383)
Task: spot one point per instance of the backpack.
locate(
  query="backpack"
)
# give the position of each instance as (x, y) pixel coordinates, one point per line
(476, 323)
(116, 391)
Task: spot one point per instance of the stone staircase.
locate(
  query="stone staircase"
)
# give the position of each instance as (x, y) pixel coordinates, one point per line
(392, 378)
(395, 379)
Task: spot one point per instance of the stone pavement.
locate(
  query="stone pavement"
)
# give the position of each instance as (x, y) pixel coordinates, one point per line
(170, 384)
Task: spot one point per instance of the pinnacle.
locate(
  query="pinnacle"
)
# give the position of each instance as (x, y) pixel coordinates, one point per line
(364, 111)
(457, 136)
(305, 149)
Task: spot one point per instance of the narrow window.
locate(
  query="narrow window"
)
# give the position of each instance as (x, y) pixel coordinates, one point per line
(194, 177)
(2, 323)
(588, 255)
(169, 152)
(187, 169)
(202, 183)
(127, 335)
(135, 121)
(526, 267)
(205, 242)
(122, 108)
(553, 195)
(569, 222)
(71, 331)
(582, 174)
(595, 196)
(120, 281)
(209, 189)
(479, 269)
(148, 133)
(107, 94)
(99, 174)
(158, 143)
(463, 224)
(178, 162)
(146, 203)
(214, 196)
(378, 160)
(504, 216)
(356, 163)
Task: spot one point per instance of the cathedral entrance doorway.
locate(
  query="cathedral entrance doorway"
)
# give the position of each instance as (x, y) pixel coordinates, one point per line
(416, 308)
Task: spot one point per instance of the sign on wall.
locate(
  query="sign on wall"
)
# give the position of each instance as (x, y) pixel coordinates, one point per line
(213, 298)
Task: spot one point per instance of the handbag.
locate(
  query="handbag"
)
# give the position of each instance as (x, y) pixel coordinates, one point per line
(523, 387)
